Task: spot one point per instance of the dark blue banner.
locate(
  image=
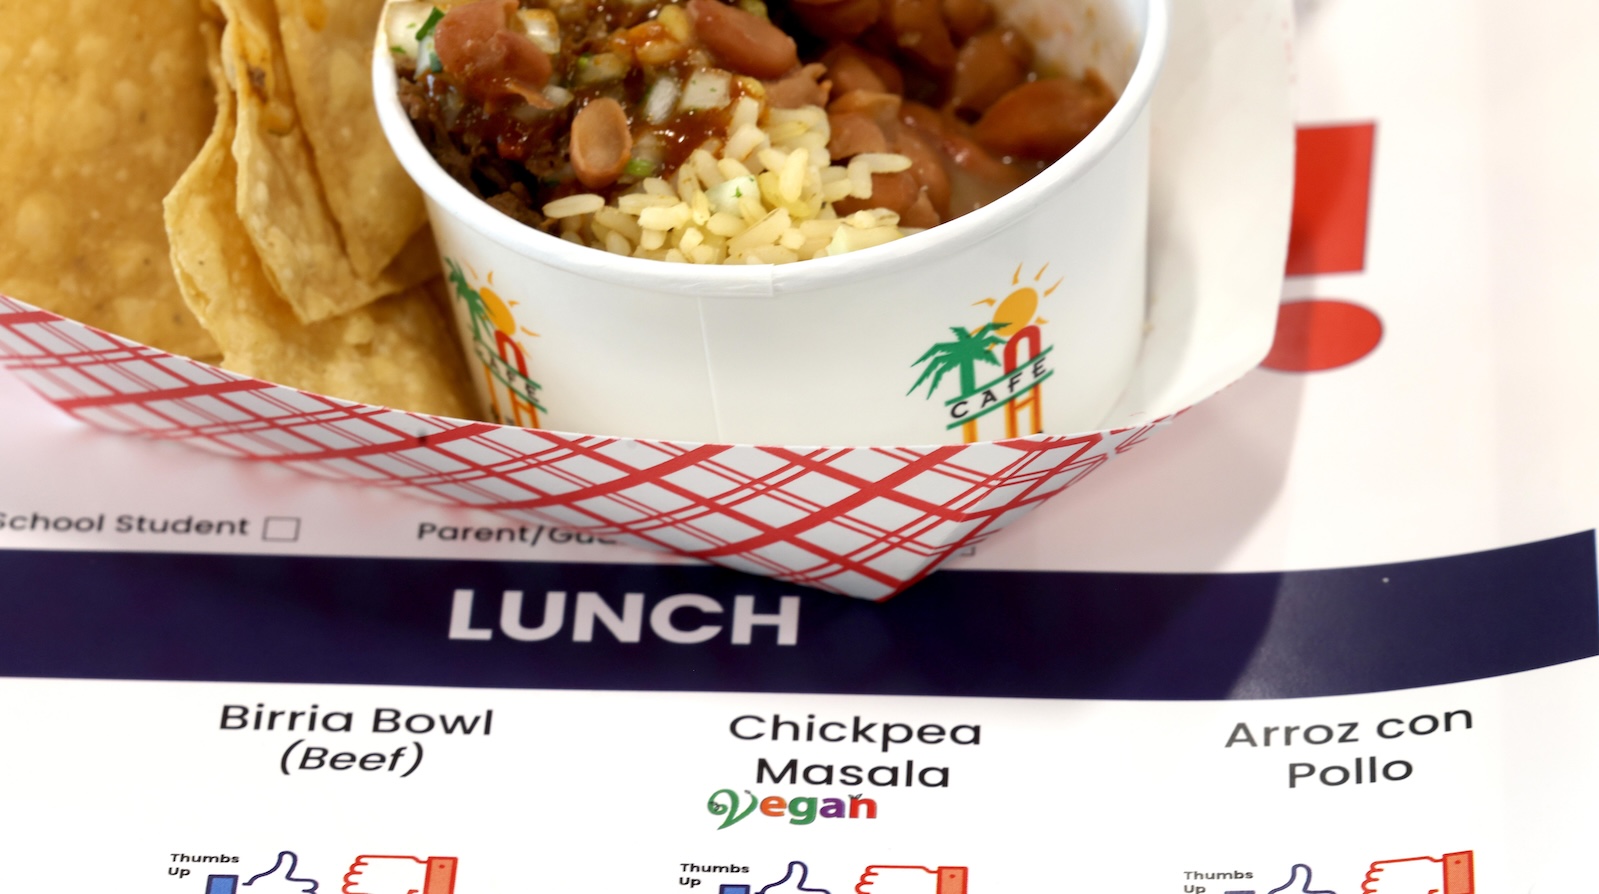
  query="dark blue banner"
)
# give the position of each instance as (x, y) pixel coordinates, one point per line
(967, 633)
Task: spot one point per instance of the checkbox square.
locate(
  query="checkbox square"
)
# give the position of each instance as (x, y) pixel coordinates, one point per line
(280, 529)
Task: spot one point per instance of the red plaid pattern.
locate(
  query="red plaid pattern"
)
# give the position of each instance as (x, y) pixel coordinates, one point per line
(862, 521)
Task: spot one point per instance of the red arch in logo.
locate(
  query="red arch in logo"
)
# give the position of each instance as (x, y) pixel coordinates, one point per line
(1034, 399)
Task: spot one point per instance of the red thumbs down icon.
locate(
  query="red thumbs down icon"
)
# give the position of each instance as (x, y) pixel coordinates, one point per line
(912, 880)
(1449, 874)
(400, 875)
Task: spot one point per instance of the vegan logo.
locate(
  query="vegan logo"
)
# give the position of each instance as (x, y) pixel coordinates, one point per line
(513, 396)
(1023, 360)
(800, 811)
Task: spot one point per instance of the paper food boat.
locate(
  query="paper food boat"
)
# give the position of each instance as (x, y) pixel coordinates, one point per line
(861, 521)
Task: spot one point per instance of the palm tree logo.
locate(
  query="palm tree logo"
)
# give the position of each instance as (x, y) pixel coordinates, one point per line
(1015, 329)
(513, 395)
(963, 354)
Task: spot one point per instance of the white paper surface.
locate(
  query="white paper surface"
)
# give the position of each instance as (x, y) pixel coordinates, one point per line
(1470, 428)
(607, 792)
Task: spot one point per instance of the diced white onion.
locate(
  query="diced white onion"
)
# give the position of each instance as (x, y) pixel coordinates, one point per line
(724, 196)
(601, 67)
(707, 89)
(426, 59)
(560, 96)
(677, 23)
(659, 101)
(401, 22)
(542, 28)
(528, 113)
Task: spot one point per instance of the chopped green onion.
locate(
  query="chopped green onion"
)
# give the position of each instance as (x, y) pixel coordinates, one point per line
(427, 27)
(641, 167)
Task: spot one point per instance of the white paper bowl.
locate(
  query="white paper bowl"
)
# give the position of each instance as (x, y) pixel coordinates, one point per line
(827, 351)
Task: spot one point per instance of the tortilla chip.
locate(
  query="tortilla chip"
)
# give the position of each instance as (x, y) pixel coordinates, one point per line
(280, 198)
(398, 352)
(328, 48)
(103, 107)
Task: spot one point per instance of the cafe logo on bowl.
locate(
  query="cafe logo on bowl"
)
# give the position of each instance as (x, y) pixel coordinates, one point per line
(513, 396)
(1010, 342)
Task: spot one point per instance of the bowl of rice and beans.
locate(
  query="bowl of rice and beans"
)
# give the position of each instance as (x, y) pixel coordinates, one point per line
(654, 211)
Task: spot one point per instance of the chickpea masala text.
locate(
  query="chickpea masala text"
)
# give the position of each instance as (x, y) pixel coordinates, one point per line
(706, 132)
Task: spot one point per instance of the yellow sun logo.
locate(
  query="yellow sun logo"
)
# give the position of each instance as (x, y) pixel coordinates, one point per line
(1020, 307)
(498, 311)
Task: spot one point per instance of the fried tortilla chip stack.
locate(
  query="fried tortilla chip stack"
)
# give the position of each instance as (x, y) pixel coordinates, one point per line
(104, 106)
(290, 241)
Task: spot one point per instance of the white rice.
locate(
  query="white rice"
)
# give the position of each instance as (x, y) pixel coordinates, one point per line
(765, 197)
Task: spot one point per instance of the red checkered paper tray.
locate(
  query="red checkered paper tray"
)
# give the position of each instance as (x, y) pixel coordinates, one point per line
(861, 521)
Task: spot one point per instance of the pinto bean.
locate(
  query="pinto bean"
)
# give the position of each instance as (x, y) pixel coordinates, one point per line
(802, 88)
(1043, 119)
(601, 143)
(855, 69)
(526, 68)
(1022, 48)
(896, 192)
(742, 40)
(966, 154)
(476, 46)
(988, 66)
(921, 116)
(467, 26)
(921, 214)
(919, 30)
(841, 20)
(926, 167)
(850, 73)
(854, 133)
(967, 17)
(883, 108)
